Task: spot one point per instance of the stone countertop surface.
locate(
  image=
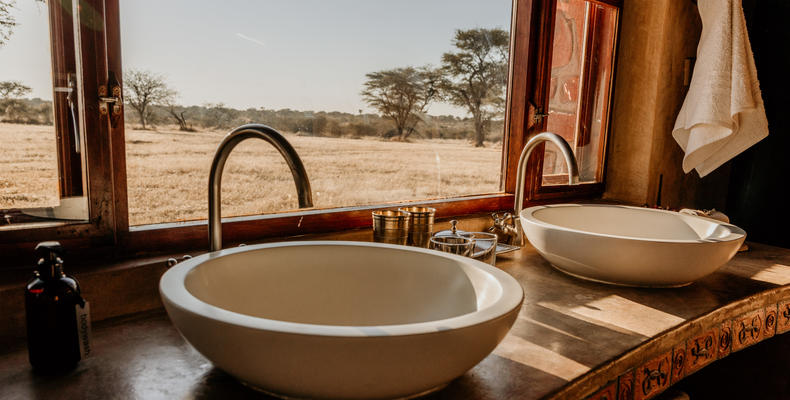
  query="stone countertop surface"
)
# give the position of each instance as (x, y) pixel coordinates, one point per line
(572, 339)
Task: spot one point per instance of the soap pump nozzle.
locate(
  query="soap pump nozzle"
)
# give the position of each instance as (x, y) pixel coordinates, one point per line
(50, 263)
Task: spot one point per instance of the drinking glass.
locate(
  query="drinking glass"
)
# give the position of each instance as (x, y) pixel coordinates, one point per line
(485, 246)
(452, 244)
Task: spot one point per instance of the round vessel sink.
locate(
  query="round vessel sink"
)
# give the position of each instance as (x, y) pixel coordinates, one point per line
(347, 320)
(630, 245)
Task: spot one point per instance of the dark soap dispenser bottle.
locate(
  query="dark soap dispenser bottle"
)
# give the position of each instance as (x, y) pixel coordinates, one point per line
(53, 305)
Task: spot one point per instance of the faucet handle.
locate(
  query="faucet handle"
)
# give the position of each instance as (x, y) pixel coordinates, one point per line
(501, 219)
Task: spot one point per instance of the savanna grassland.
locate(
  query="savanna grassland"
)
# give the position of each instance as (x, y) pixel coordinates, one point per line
(167, 172)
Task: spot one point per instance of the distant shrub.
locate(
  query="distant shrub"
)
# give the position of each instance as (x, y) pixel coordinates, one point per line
(26, 111)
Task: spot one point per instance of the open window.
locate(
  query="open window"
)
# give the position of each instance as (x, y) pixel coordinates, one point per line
(329, 86)
(42, 180)
(67, 169)
(580, 85)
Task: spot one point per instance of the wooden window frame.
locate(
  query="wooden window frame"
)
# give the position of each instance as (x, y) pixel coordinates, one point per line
(537, 191)
(108, 234)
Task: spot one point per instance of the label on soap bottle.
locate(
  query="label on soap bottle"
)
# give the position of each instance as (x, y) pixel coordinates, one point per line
(83, 313)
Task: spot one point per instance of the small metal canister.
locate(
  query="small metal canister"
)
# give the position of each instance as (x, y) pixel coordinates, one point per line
(453, 231)
(391, 227)
(421, 225)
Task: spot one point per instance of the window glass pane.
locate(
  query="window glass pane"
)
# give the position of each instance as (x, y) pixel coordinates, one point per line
(41, 163)
(581, 75)
(371, 94)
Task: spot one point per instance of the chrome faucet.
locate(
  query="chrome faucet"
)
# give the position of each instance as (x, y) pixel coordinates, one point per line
(515, 230)
(223, 151)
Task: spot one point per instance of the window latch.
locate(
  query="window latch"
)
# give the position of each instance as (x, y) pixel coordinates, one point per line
(539, 115)
(115, 98)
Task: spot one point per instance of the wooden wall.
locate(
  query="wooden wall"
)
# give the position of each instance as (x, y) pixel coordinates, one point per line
(644, 161)
(657, 36)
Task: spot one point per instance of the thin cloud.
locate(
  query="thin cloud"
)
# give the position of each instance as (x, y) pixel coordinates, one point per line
(249, 39)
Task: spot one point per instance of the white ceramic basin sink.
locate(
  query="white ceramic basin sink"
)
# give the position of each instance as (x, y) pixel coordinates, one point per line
(630, 245)
(341, 319)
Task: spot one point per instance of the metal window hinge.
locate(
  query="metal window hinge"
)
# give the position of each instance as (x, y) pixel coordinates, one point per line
(115, 98)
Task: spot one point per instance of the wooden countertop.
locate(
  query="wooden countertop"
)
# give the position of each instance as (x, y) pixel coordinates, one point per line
(573, 339)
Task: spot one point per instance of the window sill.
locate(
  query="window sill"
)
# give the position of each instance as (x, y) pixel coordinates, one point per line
(169, 237)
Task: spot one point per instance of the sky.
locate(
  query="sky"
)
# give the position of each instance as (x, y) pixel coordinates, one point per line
(298, 54)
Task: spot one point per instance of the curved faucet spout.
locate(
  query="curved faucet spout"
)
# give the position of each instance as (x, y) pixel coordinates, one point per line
(570, 160)
(218, 165)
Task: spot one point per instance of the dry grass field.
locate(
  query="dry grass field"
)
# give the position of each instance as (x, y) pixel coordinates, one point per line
(168, 172)
(28, 166)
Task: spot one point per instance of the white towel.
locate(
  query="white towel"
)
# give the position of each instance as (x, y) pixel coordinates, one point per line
(723, 113)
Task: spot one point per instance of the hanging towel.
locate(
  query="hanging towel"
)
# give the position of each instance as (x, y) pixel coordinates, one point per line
(723, 113)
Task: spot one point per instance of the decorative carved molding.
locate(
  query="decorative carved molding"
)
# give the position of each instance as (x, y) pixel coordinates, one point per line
(653, 377)
(690, 355)
(702, 350)
(725, 339)
(678, 363)
(783, 318)
(625, 386)
(748, 329)
(769, 325)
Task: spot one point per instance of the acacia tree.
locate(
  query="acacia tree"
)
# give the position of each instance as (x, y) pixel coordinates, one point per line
(7, 20)
(12, 89)
(143, 89)
(10, 107)
(475, 76)
(401, 95)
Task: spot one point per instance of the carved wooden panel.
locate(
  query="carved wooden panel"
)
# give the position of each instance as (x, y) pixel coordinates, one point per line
(694, 353)
(702, 350)
(748, 329)
(769, 324)
(653, 377)
(609, 392)
(783, 317)
(625, 386)
(725, 339)
(678, 363)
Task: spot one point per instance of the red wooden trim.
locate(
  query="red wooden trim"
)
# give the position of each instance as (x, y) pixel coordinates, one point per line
(520, 84)
(608, 103)
(117, 145)
(92, 73)
(541, 96)
(63, 64)
(530, 61)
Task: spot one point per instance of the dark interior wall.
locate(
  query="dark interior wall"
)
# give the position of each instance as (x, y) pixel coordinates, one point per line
(758, 188)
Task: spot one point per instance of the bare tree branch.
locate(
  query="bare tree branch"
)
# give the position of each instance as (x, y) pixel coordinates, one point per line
(142, 89)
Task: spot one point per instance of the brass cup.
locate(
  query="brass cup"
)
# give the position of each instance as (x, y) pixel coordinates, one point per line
(420, 225)
(391, 227)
